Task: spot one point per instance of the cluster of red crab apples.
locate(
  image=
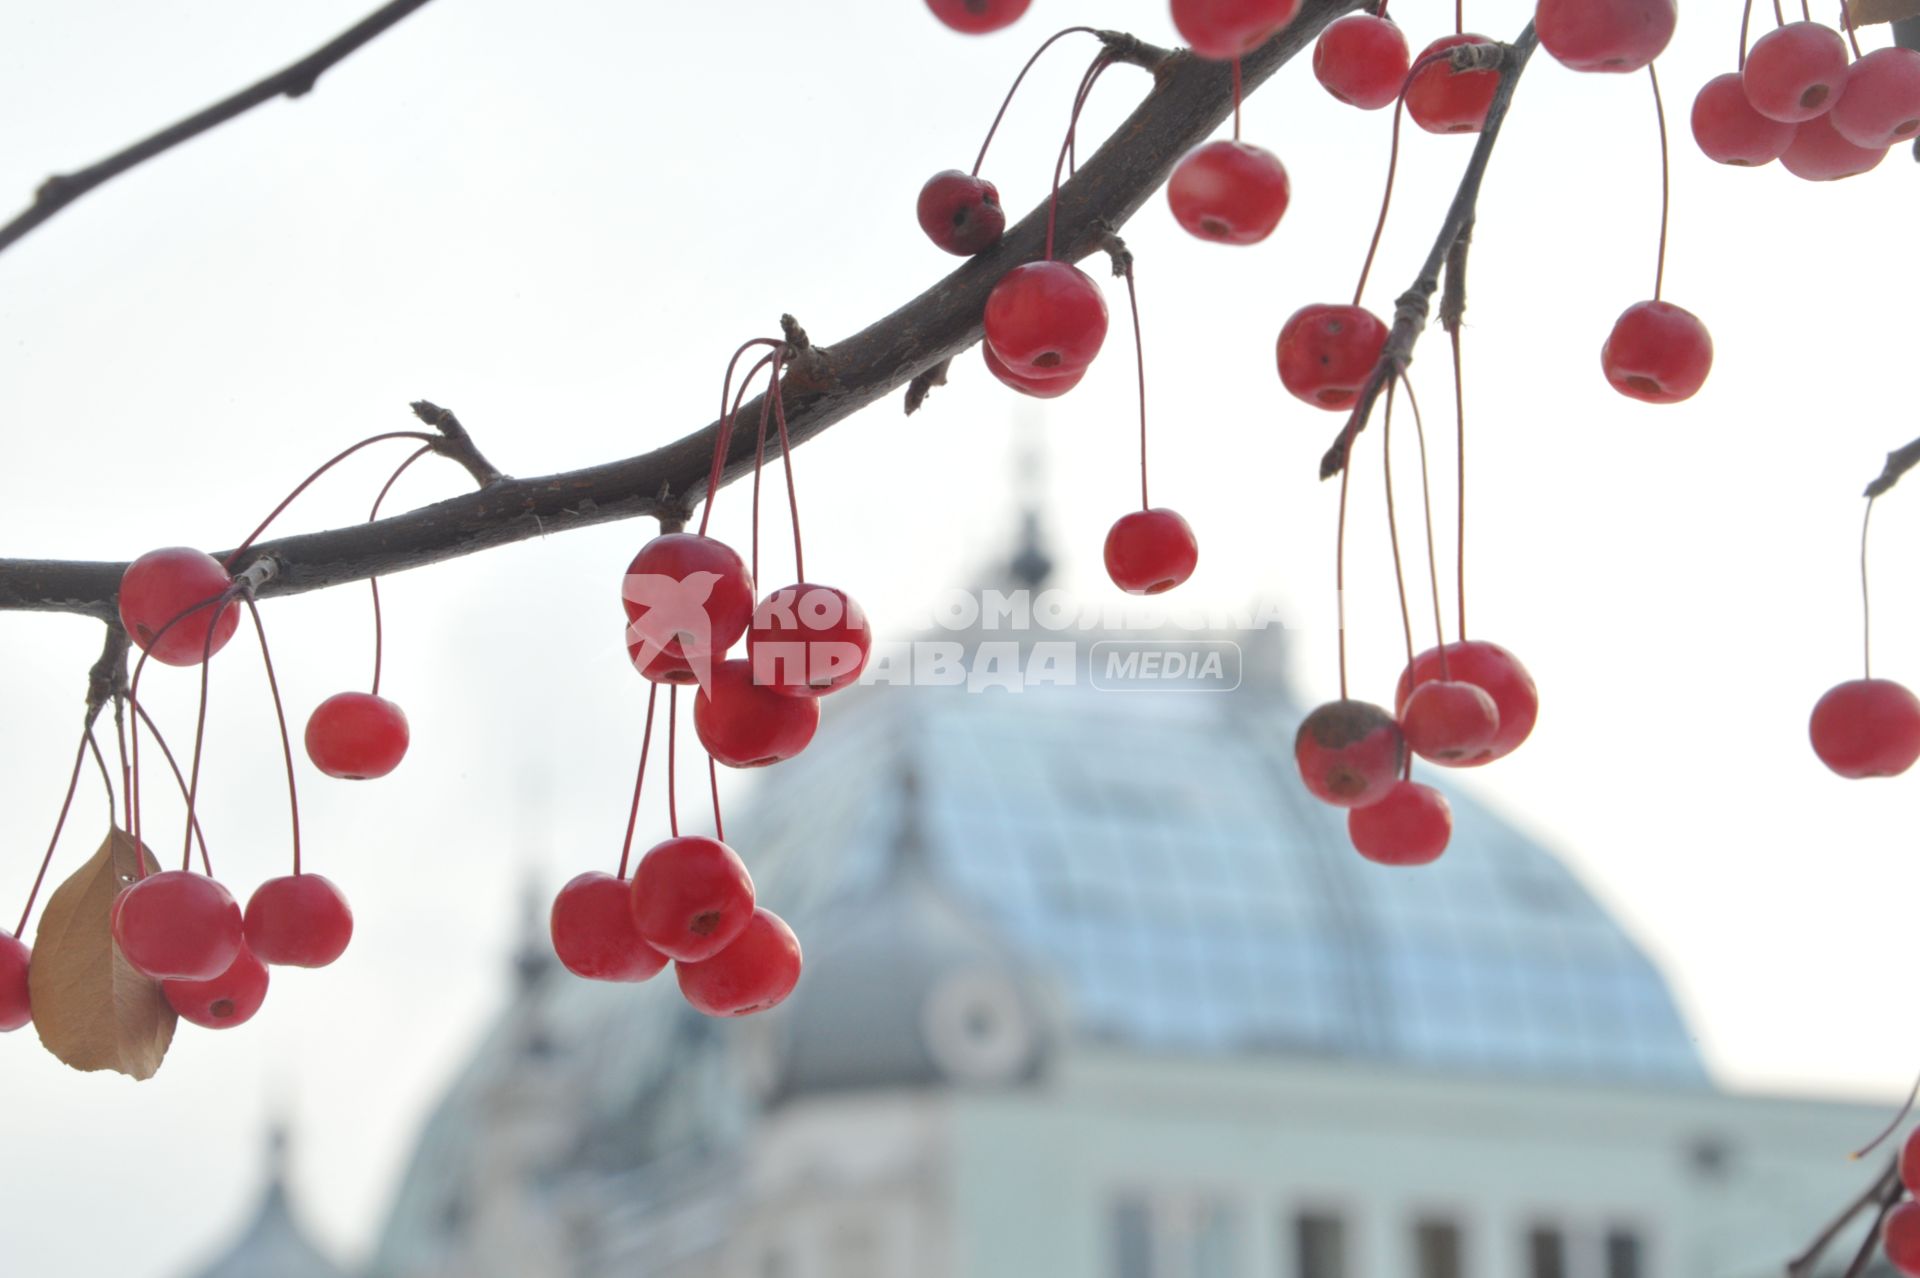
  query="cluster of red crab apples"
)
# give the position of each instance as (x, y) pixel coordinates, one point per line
(689, 599)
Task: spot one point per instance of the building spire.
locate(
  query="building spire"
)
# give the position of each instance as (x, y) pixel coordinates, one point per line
(1031, 565)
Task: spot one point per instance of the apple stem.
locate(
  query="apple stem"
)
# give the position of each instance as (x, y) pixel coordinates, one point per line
(1140, 367)
(673, 718)
(1100, 63)
(1340, 577)
(1460, 495)
(166, 752)
(280, 717)
(725, 436)
(1666, 183)
(373, 583)
(1393, 523)
(1393, 167)
(1746, 23)
(1426, 501)
(1866, 597)
(786, 462)
(200, 726)
(1236, 98)
(1008, 100)
(60, 823)
(1846, 25)
(633, 810)
(713, 780)
(308, 482)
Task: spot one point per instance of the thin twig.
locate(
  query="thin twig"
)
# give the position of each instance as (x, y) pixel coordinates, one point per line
(59, 191)
(1886, 1189)
(1899, 462)
(1410, 312)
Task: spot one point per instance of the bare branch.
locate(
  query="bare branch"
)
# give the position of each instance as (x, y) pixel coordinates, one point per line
(61, 190)
(455, 444)
(1885, 1191)
(1410, 311)
(824, 385)
(1899, 462)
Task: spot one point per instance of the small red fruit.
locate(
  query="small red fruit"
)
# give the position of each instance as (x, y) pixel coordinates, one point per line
(1657, 352)
(1819, 154)
(1605, 35)
(1229, 192)
(16, 1008)
(1867, 728)
(1881, 104)
(357, 736)
(961, 213)
(691, 896)
(1038, 387)
(1326, 353)
(1493, 670)
(298, 920)
(688, 597)
(178, 926)
(753, 974)
(1448, 721)
(977, 17)
(1149, 552)
(1410, 826)
(594, 933)
(1442, 99)
(1796, 72)
(227, 1000)
(808, 640)
(1901, 1238)
(1910, 1161)
(1730, 131)
(1223, 29)
(1362, 60)
(744, 724)
(1350, 753)
(162, 585)
(1046, 319)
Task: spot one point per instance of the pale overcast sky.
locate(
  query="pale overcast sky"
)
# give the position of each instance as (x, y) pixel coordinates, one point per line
(559, 221)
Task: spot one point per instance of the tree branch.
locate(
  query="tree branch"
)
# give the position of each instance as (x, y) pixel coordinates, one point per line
(1883, 1193)
(824, 385)
(61, 190)
(1410, 310)
(1899, 462)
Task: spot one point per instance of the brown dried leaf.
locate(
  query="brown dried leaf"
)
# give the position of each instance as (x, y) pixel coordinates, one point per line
(90, 1007)
(1868, 12)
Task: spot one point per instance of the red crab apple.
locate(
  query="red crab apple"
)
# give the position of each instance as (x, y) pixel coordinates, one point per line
(225, 1001)
(1867, 728)
(1327, 352)
(162, 585)
(1881, 104)
(977, 17)
(744, 724)
(1223, 29)
(177, 925)
(1149, 552)
(961, 213)
(1448, 721)
(1819, 154)
(357, 736)
(1901, 1238)
(690, 897)
(1493, 670)
(686, 596)
(1046, 319)
(298, 920)
(1350, 753)
(1658, 353)
(756, 972)
(16, 1009)
(594, 933)
(1442, 99)
(808, 640)
(1229, 192)
(1411, 825)
(1728, 129)
(1605, 35)
(1362, 60)
(1038, 387)
(1795, 72)
(1910, 1161)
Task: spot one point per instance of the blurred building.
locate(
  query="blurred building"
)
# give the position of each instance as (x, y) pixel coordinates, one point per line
(1094, 990)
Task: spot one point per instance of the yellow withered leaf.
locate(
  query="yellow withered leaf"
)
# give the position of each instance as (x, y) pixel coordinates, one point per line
(90, 1007)
(1868, 12)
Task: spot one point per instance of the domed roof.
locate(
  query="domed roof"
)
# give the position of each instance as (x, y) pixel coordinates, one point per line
(273, 1245)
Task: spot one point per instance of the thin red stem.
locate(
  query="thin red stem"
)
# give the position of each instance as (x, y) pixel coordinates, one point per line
(1393, 169)
(133, 697)
(1340, 578)
(673, 721)
(1236, 98)
(1100, 63)
(1460, 496)
(1866, 597)
(1746, 23)
(786, 461)
(1140, 366)
(1913, 1094)
(1459, 17)
(286, 741)
(713, 781)
(725, 436)
(1779, 14)
(307, 483)
(59, 824)
(166, 752)
(199, 741)
(126, 768)
(1426, 500)
(639, 778)
(1393, 523)
(1846, 24)
(1008, 101)
(1666, 183)
(373, 583)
